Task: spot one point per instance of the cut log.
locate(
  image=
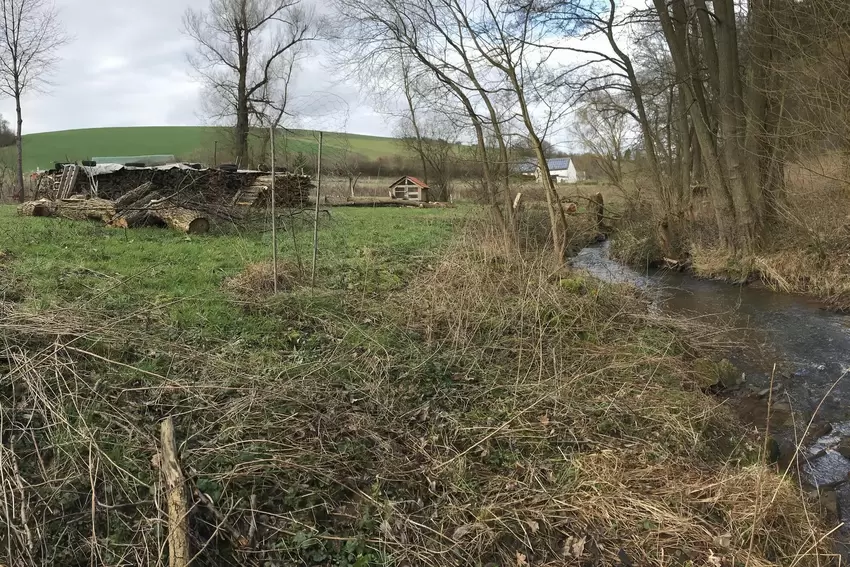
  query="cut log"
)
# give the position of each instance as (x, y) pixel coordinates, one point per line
(178, 218)
(85, 209)
(138, 212)
(175, 493)
(130, 197)
(40, 208)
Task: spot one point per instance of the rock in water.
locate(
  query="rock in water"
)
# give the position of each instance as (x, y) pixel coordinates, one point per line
(843, 448)
(828, 500)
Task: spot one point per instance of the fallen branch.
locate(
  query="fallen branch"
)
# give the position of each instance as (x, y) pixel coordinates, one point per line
(178, 525)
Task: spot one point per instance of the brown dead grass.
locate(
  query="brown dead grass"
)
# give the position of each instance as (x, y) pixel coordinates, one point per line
(805, 249)
(258, 280)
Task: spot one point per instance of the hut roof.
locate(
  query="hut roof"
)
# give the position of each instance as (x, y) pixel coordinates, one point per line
(412, 179)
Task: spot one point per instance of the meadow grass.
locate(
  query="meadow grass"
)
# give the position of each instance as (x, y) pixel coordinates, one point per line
(66, 263)
(185, 142)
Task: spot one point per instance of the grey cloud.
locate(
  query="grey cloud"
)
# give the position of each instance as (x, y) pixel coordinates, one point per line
(126, 66)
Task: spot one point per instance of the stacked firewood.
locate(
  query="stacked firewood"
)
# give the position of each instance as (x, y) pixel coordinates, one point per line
(206, 190)
(184, 200)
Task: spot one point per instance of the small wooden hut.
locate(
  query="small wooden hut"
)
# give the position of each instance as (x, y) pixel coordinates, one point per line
(409, 188)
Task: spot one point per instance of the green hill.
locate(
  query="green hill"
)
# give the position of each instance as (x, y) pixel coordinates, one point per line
(190, 143)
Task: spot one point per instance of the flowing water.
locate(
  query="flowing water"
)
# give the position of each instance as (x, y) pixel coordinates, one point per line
(809, 345)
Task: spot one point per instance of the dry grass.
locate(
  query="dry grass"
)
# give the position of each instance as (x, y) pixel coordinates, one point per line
(805, 249)
(257, 280)
(493, 413)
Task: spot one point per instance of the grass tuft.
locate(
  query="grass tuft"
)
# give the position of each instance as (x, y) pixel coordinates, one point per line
(258, 279)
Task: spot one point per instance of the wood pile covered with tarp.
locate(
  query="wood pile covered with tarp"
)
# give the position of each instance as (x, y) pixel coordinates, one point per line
(181, 197)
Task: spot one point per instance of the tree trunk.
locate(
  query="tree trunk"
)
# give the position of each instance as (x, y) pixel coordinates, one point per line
(19, 144)
(640, 106)
(685, 153)
(730, 137)
(724, 205)
(86, 209)
(405, 73)
(597, 206)
(242, 118)
(557, 218)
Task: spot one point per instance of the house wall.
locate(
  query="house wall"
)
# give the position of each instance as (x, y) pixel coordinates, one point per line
(565, 175)
(409, 192)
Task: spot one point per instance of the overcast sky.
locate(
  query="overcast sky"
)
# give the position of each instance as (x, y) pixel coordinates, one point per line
(127, 66)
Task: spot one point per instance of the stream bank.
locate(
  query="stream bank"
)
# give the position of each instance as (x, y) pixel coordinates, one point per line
(792, 343)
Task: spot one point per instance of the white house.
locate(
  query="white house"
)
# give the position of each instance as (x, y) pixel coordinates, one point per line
(562, 170)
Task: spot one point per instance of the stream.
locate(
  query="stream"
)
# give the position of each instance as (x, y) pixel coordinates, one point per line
(809, 345)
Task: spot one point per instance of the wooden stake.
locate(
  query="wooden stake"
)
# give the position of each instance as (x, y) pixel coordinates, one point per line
(274, 215)
(316, 216)
(178, 525)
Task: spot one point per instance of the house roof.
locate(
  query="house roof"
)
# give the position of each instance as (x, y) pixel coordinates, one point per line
(527, 166)
(530, 165)
(557, 164)
(412, 179)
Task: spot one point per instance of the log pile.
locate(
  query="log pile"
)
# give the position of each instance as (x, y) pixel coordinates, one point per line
(184, 200)
(143, 206)
(211, 191)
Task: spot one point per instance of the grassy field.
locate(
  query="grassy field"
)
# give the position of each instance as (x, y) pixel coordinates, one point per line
(181, 277)
(433, 401)
(185, 142)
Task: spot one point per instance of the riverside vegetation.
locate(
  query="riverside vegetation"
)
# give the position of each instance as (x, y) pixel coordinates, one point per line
(432, 401)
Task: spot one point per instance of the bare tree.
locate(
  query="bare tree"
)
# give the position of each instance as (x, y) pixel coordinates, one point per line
(604, 131)
(242, 47)
(503, 35)
(374, 33)
(434, 140)
(32, 34)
